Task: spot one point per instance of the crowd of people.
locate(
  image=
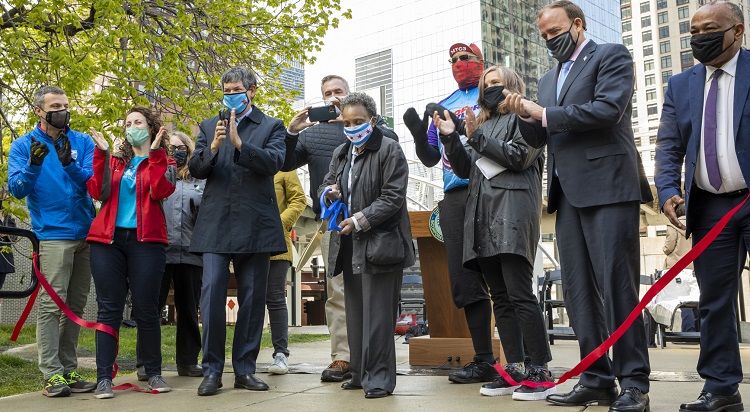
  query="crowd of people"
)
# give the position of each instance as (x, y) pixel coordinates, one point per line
(175, 212)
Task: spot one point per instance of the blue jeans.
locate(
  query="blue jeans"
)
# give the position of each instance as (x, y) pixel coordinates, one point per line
(139, 266)
(276, 303)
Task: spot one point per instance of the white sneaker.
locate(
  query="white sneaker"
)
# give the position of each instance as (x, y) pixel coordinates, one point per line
(279, 366)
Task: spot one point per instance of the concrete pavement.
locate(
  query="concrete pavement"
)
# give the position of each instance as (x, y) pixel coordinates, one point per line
(673, 381)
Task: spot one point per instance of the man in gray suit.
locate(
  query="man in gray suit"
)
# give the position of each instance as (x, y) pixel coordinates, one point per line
(596, 183)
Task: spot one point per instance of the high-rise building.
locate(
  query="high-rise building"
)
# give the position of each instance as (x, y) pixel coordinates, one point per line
(657, 32)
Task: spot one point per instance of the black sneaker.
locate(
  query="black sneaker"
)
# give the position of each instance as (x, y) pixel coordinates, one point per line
(141, 374)
(56, 386)
(474, 372)
(527, 393)
(499, 386)
(77, 384)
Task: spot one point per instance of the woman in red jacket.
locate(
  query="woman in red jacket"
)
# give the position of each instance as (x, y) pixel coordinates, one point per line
(128, 240)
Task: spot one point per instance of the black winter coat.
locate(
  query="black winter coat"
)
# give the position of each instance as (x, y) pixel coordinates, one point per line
(314, 146)
(502, 213)
(378, 202)
(239, 213)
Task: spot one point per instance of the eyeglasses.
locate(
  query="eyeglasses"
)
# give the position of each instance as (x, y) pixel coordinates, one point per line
(180, 148)
(462, 57)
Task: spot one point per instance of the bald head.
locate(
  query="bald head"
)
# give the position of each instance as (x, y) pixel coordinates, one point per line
(718, 17)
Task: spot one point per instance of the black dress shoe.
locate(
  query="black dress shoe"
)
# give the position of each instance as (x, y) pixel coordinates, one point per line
(583, 396)
(708, 402)
(631, 400)
(376, 393)
(350, 385)
(249, 382)
(210, 385)
(189, 370)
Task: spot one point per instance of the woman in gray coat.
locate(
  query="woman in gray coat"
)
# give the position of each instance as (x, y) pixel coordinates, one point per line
(373, 245)
(501, 225)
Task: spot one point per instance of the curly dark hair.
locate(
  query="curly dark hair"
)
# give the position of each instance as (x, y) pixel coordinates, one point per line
(154, 124)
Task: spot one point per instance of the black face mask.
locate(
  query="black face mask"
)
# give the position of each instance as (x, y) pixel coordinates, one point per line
(58, 119)
(562, 46)
(179, 157)
(708, 46)
(493, 96)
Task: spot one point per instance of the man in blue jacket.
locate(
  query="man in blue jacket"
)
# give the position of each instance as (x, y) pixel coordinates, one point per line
(61, 213)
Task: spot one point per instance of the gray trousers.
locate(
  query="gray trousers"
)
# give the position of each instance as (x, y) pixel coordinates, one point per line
(371, 310)
(65, 264)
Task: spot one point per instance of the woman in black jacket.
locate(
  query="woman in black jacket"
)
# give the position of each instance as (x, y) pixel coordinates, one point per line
(372, 246)
(502, 225)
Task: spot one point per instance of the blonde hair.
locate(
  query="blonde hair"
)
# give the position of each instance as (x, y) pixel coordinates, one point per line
(513, 83)
(183, 172)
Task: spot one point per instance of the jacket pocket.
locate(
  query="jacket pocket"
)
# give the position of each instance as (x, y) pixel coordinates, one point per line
(606, 150)
(384, 247)
(510, 182)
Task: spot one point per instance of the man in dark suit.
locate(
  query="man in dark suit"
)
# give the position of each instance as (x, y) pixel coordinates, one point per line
(596, 183)
(238, 221)
(705, 125)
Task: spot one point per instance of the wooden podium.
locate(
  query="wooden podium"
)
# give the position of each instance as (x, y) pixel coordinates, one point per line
(449, 334)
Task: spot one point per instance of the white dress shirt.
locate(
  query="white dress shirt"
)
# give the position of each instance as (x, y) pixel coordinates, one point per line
(729, 167)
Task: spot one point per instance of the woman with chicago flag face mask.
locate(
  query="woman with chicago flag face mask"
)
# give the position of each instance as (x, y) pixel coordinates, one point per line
(128, 240)
(372, 245)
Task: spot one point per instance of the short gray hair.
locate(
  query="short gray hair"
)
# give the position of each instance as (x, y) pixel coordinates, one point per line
(361, 99)
(39, 94)
(239, 74)
(332, 77)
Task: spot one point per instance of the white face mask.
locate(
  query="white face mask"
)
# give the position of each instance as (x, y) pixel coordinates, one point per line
(329, 101)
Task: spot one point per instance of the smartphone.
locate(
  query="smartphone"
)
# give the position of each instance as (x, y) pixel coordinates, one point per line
(225, 114)
(322, 114)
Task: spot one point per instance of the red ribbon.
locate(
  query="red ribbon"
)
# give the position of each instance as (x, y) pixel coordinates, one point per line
(72, 316)
(650, 294)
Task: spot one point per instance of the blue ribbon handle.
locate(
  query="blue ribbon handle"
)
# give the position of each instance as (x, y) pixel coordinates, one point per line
(333, 211)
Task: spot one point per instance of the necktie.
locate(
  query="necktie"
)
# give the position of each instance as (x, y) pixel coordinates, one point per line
(563, 74)
(709, 133)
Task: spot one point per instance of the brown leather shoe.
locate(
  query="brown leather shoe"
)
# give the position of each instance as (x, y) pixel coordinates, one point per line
(337, 371)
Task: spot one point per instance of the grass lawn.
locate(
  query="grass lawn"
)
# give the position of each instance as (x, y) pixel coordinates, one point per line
(21, 376)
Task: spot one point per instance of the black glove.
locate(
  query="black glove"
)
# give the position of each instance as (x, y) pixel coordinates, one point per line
(435, 107)
(418, 128)
(62, 147)
(38, 151)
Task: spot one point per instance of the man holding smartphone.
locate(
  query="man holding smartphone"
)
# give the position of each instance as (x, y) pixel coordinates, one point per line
(311, 141)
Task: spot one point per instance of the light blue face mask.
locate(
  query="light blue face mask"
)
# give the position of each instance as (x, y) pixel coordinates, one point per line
(136, 136)
(236, 101)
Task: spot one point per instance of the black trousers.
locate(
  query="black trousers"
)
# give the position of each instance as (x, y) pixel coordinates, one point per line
(371, 310)
(600, 261)
(187, 293)
(517, 312)
(467, 286)
(138, 266)
(717, 271)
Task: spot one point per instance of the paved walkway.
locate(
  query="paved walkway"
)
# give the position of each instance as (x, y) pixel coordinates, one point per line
(673, 381)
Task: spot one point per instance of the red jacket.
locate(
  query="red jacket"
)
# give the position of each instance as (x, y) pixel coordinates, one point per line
(152, 186)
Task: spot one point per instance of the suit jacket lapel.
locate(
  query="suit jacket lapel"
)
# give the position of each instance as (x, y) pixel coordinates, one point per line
(741, 88)
(697, 84)
(581, 61)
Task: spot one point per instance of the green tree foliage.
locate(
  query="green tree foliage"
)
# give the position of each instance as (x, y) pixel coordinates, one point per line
(109, 55)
